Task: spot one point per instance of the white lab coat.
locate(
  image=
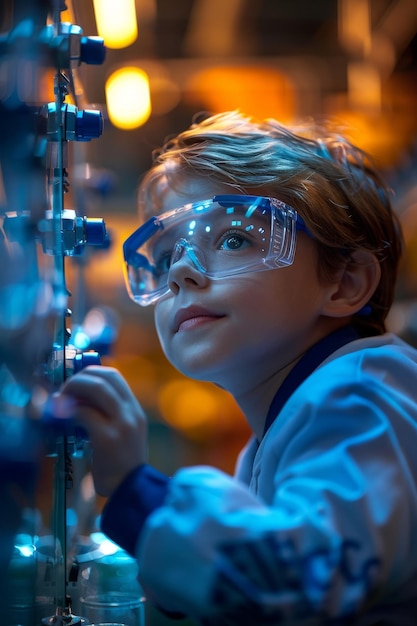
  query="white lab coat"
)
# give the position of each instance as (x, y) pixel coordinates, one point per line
(320, 522)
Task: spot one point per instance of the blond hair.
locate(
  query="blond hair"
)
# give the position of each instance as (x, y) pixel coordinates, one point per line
(332, 184)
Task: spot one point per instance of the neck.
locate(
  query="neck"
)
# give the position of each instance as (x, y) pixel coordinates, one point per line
(255, 402)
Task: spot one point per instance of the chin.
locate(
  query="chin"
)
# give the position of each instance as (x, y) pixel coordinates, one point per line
(196, 368)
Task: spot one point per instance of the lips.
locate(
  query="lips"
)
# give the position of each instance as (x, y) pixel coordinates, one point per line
(193, 316)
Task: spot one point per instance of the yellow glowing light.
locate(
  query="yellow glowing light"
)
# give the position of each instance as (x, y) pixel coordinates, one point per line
(116, 22)
(128, 98)
(164, 88)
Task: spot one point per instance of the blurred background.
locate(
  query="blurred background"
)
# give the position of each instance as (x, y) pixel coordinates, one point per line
(353, 61)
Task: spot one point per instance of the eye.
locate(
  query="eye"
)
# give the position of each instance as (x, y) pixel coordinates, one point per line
(233, 240)
(162, 262)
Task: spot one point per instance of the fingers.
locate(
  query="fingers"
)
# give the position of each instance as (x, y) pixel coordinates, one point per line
(99, 399)
(105, 390)
(102, 402)
(96, 381)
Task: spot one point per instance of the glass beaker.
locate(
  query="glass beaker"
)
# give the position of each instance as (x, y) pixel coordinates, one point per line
(114, 607)
(109, 586)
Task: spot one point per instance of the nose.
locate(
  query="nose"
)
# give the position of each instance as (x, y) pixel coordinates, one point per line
(186, 269)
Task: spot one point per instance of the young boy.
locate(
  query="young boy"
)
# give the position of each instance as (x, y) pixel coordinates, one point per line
(272, 264)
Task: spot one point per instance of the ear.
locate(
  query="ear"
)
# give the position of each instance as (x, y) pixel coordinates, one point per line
(355, 286)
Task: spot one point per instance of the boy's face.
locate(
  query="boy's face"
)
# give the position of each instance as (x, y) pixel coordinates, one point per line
(240, 330)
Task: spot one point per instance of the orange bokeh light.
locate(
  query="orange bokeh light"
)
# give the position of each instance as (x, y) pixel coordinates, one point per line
(258, 91)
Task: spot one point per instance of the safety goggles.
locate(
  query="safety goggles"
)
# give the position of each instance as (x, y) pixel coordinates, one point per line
(225, 236)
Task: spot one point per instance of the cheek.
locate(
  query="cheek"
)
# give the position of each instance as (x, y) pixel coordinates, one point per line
(161, 318)
(287, 295)
(158, 318)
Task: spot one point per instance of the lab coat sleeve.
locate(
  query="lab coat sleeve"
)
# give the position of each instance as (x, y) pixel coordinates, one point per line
(124, 514)
(333, 537)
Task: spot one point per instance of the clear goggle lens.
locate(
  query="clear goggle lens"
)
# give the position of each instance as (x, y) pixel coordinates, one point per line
(221, 237)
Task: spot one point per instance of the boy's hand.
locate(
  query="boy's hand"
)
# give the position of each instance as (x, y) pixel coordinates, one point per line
(101, 401)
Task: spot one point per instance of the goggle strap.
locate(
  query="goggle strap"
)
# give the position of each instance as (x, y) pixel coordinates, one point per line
(132, 243)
